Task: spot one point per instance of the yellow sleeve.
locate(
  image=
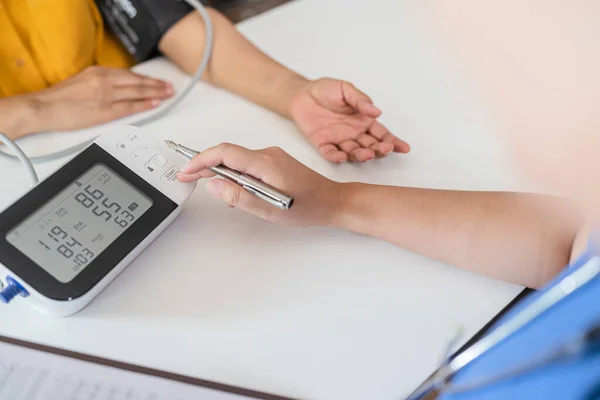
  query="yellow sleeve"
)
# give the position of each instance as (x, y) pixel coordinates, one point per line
(18, 70)
(47, 41)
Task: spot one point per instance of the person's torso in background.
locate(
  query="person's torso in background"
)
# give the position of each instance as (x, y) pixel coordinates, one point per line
(44, 42)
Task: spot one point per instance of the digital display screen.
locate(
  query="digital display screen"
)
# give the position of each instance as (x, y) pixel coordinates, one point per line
(68, 232)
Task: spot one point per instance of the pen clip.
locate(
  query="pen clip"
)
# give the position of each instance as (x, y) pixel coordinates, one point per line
(263, 196)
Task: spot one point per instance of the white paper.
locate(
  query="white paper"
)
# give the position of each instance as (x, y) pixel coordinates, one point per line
(27, 374)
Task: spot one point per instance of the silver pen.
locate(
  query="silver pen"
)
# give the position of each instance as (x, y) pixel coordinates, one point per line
(250, 184)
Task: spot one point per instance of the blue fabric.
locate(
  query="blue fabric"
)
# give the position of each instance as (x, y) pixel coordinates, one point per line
(576, 379)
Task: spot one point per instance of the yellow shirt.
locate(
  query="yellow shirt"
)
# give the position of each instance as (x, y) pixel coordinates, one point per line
(43, 42)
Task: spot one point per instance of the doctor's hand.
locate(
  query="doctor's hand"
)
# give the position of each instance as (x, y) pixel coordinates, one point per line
(341, 122)
(316, 198)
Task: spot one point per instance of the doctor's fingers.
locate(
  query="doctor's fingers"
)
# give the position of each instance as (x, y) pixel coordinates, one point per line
(252, 162)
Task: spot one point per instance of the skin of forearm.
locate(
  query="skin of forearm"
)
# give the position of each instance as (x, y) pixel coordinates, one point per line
(18, 116)
(236, 64)
(515, 237)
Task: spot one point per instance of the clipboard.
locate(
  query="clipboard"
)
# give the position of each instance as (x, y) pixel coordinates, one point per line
(39, 368)
(480, 334)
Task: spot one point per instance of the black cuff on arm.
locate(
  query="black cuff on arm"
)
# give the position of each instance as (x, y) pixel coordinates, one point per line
(140, 24)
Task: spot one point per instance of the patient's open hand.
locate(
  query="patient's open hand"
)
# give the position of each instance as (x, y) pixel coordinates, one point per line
(341, 122)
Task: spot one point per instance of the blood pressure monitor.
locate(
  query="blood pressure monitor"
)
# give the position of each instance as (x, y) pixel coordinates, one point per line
(68, 237)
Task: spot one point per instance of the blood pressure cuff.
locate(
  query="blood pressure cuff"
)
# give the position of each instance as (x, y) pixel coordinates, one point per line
(140, 24)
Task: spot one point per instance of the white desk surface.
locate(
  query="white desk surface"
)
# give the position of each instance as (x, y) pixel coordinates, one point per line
(309, 313)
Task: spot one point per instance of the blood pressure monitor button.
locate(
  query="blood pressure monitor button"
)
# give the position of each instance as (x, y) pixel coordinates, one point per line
(139, 152)
(158, 160)
(170, 175)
